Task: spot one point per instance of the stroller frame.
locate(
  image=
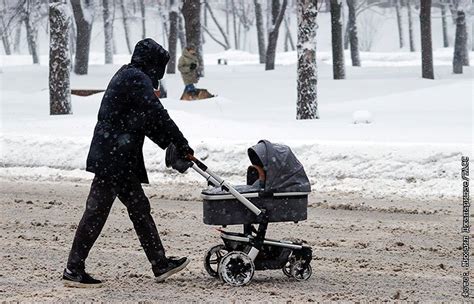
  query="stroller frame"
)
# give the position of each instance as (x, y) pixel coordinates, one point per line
(250, 250)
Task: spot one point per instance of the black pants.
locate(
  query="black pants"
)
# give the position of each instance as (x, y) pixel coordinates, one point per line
(101, 197)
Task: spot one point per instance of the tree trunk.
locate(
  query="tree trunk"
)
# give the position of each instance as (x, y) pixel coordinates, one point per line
(260, 30)
(426, 42)
(398, 9)
(108, 33)
(346, 36)
(234, 22)
(288, 37)
(353, 35)
(142, 11)
(338, 67)
(59, 59)
(445, 25)
(17, 39)
(273, 36)
(410, 27)
(460, 43)
(126, 27)
(5, 38)
(181, 36)
(307, 104)
(173, 36)
(83, 18)
(227, 17)
(192, 23)
(31, 31)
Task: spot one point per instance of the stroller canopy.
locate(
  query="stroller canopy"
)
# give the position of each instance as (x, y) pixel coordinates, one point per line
(284, 173)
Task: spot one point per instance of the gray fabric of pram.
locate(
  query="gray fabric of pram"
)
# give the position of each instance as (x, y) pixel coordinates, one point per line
(284, 173)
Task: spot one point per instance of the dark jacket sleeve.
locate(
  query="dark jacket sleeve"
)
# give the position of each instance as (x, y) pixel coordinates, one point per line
(159, 126)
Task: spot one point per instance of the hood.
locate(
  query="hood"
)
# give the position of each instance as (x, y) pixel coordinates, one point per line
(151, 58)
(284, 173)
(187, 54)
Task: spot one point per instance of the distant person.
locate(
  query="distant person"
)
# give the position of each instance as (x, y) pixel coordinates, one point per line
(188, 65)
(129, 111)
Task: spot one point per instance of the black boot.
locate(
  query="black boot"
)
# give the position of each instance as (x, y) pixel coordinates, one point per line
(175, 265)
(79, 279)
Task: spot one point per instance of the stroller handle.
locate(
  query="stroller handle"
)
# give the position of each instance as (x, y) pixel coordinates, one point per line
(217, 181)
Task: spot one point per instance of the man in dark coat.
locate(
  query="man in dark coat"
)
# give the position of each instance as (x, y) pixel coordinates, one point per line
(129, 111)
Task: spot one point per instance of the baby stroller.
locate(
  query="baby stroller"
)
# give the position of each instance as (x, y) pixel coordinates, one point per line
(277, 191)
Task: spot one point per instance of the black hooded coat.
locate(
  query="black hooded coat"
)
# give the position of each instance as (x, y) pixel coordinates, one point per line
(130, 111)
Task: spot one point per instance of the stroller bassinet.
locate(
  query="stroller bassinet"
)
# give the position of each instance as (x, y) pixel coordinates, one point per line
(276, 183)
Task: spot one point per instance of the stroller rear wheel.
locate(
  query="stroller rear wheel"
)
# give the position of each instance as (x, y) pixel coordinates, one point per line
(236, 268)
(213, 258)
(300, 270)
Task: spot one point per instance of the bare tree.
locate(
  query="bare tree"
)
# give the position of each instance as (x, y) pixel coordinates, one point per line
(126, 26)
(411, 37)
(398, 9)
(426, 41)
(260, 30)
(17, 38)
(108, 33)
(31, 17)
(460, 43)
(288, 38)
(277, 17)
(173, 36)
(181, 35)
(225, 44)
(353, 35)
(234, 23)
(59, 59)
(444, 24)
(307, 104)
(336, 39)
(143, 19)
(192, 22)
(83, 15)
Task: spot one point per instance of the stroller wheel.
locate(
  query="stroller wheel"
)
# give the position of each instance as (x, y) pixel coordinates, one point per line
(212, 259)
(236, 268)
(300, 271)
(287, 269)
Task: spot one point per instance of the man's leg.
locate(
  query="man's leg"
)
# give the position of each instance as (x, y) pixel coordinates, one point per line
(99, 202)
(132, 196)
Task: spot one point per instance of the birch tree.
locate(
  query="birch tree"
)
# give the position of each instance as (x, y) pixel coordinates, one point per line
(411, 37)
(307, 103)
(426, 40)
(278, 12)
(108, 33)
(32, 10)
(59, 58)
(444, 24)
(398, 10)
(126, 26)
(260, 30)
(353, 33)
(461, 54)
(83, 15)
(173, 36)
(336, 39)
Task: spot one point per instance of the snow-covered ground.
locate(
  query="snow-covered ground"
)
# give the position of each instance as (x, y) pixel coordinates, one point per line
(412, 146)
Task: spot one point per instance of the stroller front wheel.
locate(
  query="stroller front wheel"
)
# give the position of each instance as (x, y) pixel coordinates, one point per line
(300, 271)
(236, 268)
(213, 258)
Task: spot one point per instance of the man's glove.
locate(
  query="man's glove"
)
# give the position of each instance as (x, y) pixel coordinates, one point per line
(193, 66)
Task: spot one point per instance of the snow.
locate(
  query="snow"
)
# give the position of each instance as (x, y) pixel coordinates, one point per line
(413, 148)
(362, 116)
